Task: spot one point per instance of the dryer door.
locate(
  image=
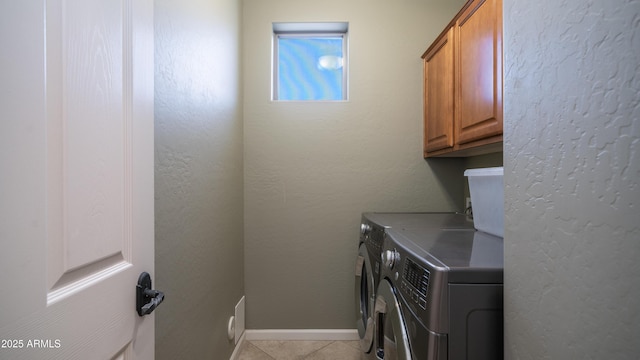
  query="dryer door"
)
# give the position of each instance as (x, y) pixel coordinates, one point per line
(365, 297)
(392, 342)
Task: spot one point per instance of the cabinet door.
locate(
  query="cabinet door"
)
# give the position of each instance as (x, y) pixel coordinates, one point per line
(479, 71)
(439, 94)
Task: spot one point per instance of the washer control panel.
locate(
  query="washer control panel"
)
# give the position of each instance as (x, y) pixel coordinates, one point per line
(372, 235)
(415, 282)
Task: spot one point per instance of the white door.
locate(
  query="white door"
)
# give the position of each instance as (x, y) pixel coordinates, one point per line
(76, 178)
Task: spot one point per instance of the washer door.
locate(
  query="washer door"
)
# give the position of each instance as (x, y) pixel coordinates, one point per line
(392, 342)
(365, 297)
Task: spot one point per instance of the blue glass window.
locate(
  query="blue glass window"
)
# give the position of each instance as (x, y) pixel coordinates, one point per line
(310, 66)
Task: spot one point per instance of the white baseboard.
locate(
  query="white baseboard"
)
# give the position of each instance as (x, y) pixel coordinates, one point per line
(303, 334)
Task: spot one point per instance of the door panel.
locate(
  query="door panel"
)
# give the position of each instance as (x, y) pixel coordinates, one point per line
(364, 294)
(479, 76)
(439, 95)
(89, 140)
(77, 148)
(392, 338)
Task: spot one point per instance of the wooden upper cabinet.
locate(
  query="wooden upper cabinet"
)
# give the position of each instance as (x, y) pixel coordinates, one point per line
(479, 72)
(463, 84)
(438, 94)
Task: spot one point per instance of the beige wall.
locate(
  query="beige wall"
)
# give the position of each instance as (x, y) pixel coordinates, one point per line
(311, 169)
(199, 176)
(572, 179)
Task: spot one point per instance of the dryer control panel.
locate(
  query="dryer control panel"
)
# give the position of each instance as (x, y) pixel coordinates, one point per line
(415, 282)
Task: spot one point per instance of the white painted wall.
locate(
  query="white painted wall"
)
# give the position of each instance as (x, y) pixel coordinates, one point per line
(572, 177)
(311, 169)
(199, 176)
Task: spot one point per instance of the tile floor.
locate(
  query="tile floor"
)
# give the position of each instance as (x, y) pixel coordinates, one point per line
(300, 350)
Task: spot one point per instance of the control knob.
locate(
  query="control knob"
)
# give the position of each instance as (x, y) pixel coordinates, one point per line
(365, 228)
(390, 258)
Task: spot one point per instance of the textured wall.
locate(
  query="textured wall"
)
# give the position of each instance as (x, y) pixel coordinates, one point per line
(572, 177)
(199, 176)
(312, 168)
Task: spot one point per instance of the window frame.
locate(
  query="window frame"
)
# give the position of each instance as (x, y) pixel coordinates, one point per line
(310, 30)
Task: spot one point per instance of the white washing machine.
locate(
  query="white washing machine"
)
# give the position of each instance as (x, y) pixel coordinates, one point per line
(440, 294)
(373, 229)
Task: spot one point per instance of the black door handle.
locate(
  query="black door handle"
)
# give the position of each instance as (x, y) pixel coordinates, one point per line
(147, 299)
